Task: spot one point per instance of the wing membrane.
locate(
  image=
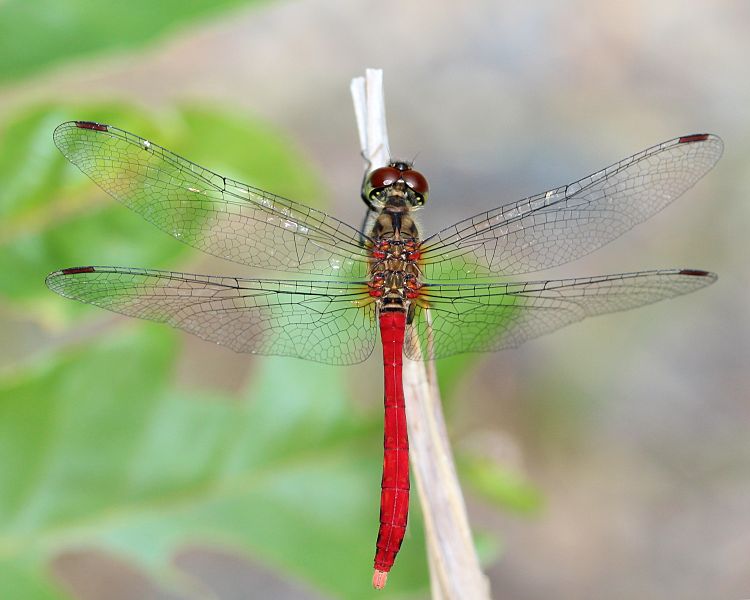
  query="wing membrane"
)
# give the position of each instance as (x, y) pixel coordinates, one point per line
(568, 222)
(491, 317)
(327, 322)
(218, 215)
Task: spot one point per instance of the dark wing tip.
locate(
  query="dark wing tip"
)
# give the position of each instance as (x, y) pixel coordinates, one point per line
(91, 125)
(711, 140)
(694, 137)
(699, 273)
(76, 270)
(68, 125)
(55, 276)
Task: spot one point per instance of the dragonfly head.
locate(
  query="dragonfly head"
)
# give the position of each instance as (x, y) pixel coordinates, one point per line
(396, 185)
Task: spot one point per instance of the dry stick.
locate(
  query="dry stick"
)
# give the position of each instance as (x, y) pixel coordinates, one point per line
(454, 566)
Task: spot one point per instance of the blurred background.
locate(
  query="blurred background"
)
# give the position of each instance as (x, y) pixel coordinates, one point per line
(609, 460)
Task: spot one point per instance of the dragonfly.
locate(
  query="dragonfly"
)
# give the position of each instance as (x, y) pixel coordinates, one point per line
(429, 296)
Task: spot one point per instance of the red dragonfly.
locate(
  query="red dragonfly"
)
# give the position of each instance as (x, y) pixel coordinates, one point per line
(430, 297)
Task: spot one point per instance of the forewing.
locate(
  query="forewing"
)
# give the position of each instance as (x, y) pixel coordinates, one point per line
(327, 322)
(490, 317)
(565, 223)
(218, 215)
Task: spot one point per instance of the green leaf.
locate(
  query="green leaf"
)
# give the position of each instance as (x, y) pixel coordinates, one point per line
(489, 547)
(98, 450)
(55, 217)
(44, 33)
(500, 485)
(17, 582)
(451, 370)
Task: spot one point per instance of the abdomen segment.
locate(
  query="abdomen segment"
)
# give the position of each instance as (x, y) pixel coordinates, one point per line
(394, 498)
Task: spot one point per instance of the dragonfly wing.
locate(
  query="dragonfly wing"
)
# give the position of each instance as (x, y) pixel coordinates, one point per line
(216, 214)
(568, 222)
(494, 316)
(327, 322)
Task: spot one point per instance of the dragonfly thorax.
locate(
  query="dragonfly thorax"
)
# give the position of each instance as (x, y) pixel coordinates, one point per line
(395, 221)
(395, 276)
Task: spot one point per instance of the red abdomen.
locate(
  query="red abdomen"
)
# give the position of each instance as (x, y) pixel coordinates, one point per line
(394, 497)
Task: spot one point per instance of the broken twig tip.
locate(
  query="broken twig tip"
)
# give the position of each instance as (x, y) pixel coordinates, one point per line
(379, 579)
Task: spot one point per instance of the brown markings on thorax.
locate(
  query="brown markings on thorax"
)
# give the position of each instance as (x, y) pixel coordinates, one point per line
(397, 271)
(394, 224)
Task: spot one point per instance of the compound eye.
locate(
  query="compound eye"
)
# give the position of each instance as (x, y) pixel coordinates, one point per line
(418, 183)
(378, 180)
(383, 177)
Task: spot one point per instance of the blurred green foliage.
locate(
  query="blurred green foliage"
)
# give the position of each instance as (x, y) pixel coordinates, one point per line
(500, 485)
(39, 34)
(53, 217)
(99, 447)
